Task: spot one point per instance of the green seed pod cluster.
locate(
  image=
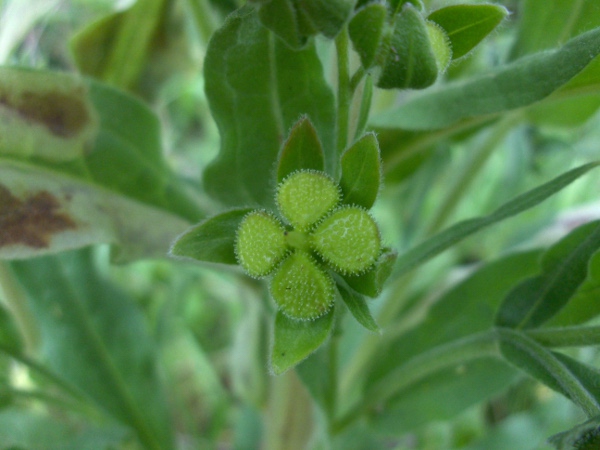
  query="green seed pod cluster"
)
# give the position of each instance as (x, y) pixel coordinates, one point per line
(319, 235)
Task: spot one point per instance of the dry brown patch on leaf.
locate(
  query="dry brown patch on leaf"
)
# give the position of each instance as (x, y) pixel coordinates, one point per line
(63, 115)
(31, 221)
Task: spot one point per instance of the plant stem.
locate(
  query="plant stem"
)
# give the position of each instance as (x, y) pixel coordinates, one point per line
(16, 300)
(447, 355)
(576, 336)
(344, 94)
(553, 367)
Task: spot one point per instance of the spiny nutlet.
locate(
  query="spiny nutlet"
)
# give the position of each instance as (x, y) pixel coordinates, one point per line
(306, 196)
(260, 243)
(301, 289)
(348, 240)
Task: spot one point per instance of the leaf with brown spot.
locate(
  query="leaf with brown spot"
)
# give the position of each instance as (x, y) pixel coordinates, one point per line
(45, 115)
(31, 221)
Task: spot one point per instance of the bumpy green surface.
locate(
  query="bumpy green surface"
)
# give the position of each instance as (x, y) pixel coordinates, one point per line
(301, 289)
(306, 196)
(348, 240)
(260, 243)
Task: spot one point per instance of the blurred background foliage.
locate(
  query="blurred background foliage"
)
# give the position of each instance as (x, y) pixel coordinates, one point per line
(203, 331)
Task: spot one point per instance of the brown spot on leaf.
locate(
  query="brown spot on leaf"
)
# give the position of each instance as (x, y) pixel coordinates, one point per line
(31, 221)
(63, 115)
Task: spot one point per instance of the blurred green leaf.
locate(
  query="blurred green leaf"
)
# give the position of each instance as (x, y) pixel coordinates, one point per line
(456, 233)
(24, 429)
(508, 87)
(294, 340)
(117, 189)
(96, 339)
(115, 48)
(584, 305)
(545, 24)
(573, 379)
(302, 150)
(361, 172)
(585, 433)
(257, 89)
(315, 374)
(564, 268)
(212, 240)
(410, 62)
(358, 307)
(467, 25)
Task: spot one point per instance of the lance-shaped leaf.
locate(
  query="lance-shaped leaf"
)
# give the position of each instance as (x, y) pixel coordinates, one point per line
(257, 89)
(361, 172)
(95, 339)
(66, 186)
(512, 86)
(302, 150)
(410, 61)
(294, 340)
(213, 240)
(357, 305)
(467, 25)
(564, 269)
(456, 233)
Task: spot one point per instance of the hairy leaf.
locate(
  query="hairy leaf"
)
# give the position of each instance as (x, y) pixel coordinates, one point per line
(357, 305)
(361, 172)
(467, 25)
(212, 240)
(257, 89)
(294, 340)
(302, 150)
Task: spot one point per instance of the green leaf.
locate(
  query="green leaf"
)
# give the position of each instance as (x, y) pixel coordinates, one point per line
(95, 338)
(564, 268)
(574, 380)
(115, 189)
(456, 233)
(545, 24)
(302, 150)
(366, 32)
(255, 107)
(328, 16)
(584, 305)
(586, 433)
(212, 240)
(371, 282)
(467, 25)
(512, 86)
(25, 429)
(361, 172)
(357, 305)
(294, 340)
(115, 48)
(315, 372)
(410, 62)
